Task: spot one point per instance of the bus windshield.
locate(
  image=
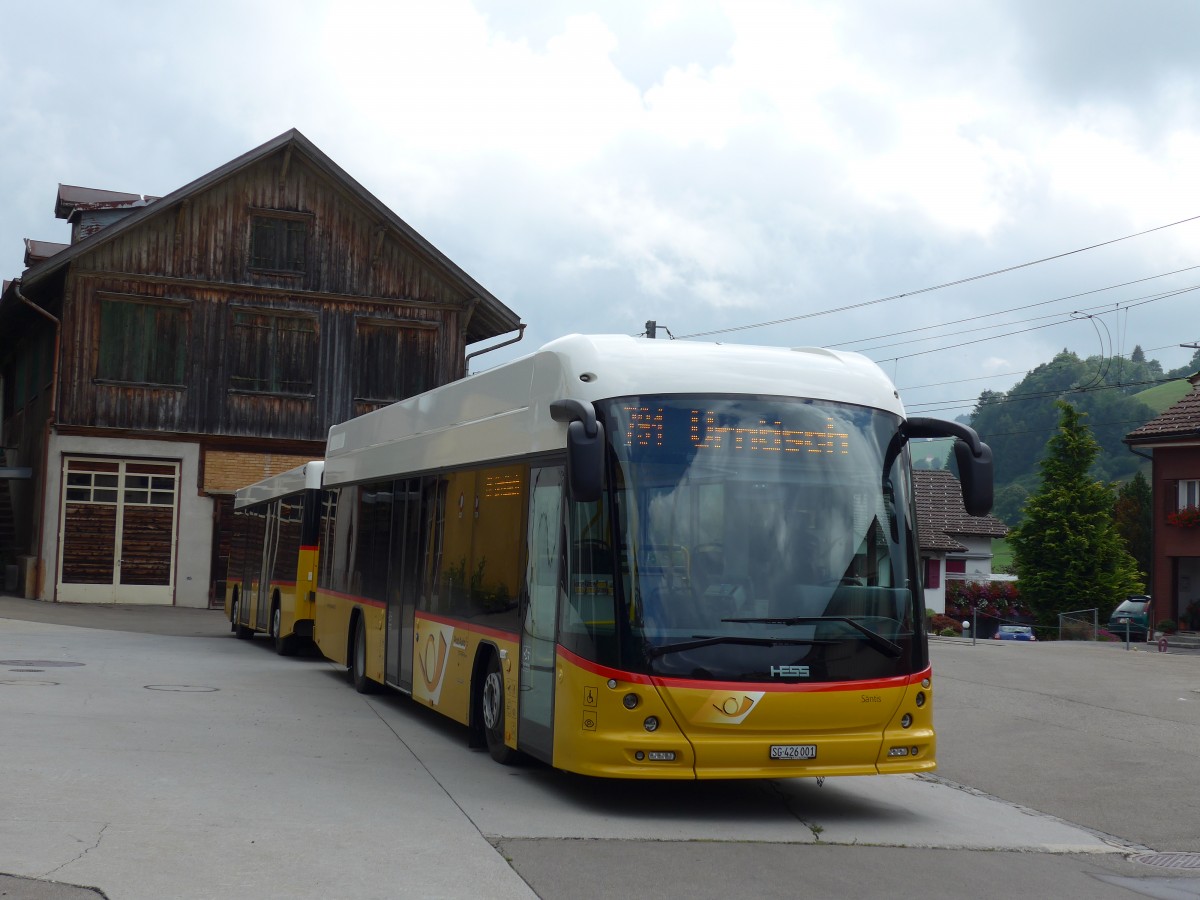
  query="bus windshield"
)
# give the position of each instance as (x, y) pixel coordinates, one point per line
(759, 540)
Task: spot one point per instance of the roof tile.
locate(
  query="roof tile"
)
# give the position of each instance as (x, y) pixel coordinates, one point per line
(941, 514)
(1180, 420)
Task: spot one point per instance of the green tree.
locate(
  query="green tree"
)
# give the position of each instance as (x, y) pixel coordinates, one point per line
(1008, 503)
(1188, 369)
(1133, 514)
(1067, 552)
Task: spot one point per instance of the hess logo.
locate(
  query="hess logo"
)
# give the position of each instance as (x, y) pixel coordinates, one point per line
(789, 671)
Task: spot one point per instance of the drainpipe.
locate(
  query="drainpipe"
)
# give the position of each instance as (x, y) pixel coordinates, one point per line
(39, 575)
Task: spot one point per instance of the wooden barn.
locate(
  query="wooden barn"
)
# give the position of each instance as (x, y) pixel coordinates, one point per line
(181, 347)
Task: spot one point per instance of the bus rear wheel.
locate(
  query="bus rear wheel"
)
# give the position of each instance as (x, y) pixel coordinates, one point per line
(241, 632)
(284, 646)
(358, 662)
(491, 713)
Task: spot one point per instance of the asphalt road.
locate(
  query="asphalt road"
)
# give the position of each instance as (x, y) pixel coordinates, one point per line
(169, 760)
(1095, 734)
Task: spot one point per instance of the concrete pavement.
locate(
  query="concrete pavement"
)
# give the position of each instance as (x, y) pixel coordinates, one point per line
(143, 759)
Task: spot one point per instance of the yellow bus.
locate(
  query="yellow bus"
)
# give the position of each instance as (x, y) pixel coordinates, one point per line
(272, 577)
(645, 559)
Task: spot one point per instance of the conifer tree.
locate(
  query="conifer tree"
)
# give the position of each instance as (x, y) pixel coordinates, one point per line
(1133, 514)
(1067, 552)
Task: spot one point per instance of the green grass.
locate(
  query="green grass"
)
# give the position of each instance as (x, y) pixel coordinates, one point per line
(1002, 555)
(1159, 397)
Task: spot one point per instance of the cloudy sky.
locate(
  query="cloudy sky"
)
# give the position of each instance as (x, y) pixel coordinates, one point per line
(710, 165)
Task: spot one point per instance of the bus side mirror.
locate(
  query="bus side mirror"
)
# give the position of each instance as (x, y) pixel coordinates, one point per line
(973, 457)
(585, 462)
(975, 475)
(585, 448)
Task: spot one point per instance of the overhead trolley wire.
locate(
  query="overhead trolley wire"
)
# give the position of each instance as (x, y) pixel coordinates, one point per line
(1001, 312)
(936, 287)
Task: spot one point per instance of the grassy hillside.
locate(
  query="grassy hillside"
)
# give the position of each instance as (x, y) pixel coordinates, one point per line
(1002, 556)
(1161, 396)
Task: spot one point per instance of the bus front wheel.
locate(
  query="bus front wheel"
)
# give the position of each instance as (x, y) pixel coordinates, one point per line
(491, 713)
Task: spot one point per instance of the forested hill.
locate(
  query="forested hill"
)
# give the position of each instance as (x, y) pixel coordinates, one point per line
(1118, 395)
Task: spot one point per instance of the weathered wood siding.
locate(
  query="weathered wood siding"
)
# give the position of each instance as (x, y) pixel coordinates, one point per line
(197, 257)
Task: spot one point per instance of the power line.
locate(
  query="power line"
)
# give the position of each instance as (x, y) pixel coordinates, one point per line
(933, 405)
(1141, 301)
(917, 387)
(1001, 312)
(937, 287)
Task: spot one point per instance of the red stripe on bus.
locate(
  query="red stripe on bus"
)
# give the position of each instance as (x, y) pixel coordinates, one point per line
(470, 627)
(352, 598)
(312, 547)
(873, 684)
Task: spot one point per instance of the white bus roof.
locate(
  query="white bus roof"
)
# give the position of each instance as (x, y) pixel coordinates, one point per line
(505, 411)
(293, 481)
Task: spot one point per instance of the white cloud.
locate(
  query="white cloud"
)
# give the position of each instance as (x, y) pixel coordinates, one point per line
(715, 163)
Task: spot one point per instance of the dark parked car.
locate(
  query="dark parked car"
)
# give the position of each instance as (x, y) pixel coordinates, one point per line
(1015, 633)
(1133, 615)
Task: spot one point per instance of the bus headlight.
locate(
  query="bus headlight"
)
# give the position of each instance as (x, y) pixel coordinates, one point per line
(920, 699)
(651, 723)
(906, 721)
(630, 701)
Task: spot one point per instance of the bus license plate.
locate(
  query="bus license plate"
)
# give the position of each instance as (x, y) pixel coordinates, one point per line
(793, 751)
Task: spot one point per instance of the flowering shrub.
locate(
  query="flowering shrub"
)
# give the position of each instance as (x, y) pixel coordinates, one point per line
(939, 624)
(1188, 517)
(998, 599)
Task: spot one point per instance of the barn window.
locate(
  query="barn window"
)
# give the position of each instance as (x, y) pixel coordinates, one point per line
(142, 343)
(277, 243)
(393, 359)
(272, 353)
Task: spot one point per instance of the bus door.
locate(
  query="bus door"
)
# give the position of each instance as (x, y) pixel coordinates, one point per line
(262, 609)
(404, 579)
(543, 576)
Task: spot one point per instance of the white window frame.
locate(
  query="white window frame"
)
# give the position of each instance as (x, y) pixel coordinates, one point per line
(1189, 493)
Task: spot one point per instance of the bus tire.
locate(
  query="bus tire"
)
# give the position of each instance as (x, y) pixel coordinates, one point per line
(491, 712)
(358, 660)
(284, 646)
(241, 632)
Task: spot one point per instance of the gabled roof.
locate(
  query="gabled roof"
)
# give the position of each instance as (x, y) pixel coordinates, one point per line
(941, 514)
(491, 317)
(36, 251)
(70, 197)
(1182, 420)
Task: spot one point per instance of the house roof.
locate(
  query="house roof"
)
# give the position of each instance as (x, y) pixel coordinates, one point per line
(1181, 420)
(71, 197)
(491, 317)
(941, 514)
(36, 251)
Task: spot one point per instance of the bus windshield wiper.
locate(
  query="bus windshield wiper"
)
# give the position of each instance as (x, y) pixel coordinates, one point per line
(876, 640)
(659, 650)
